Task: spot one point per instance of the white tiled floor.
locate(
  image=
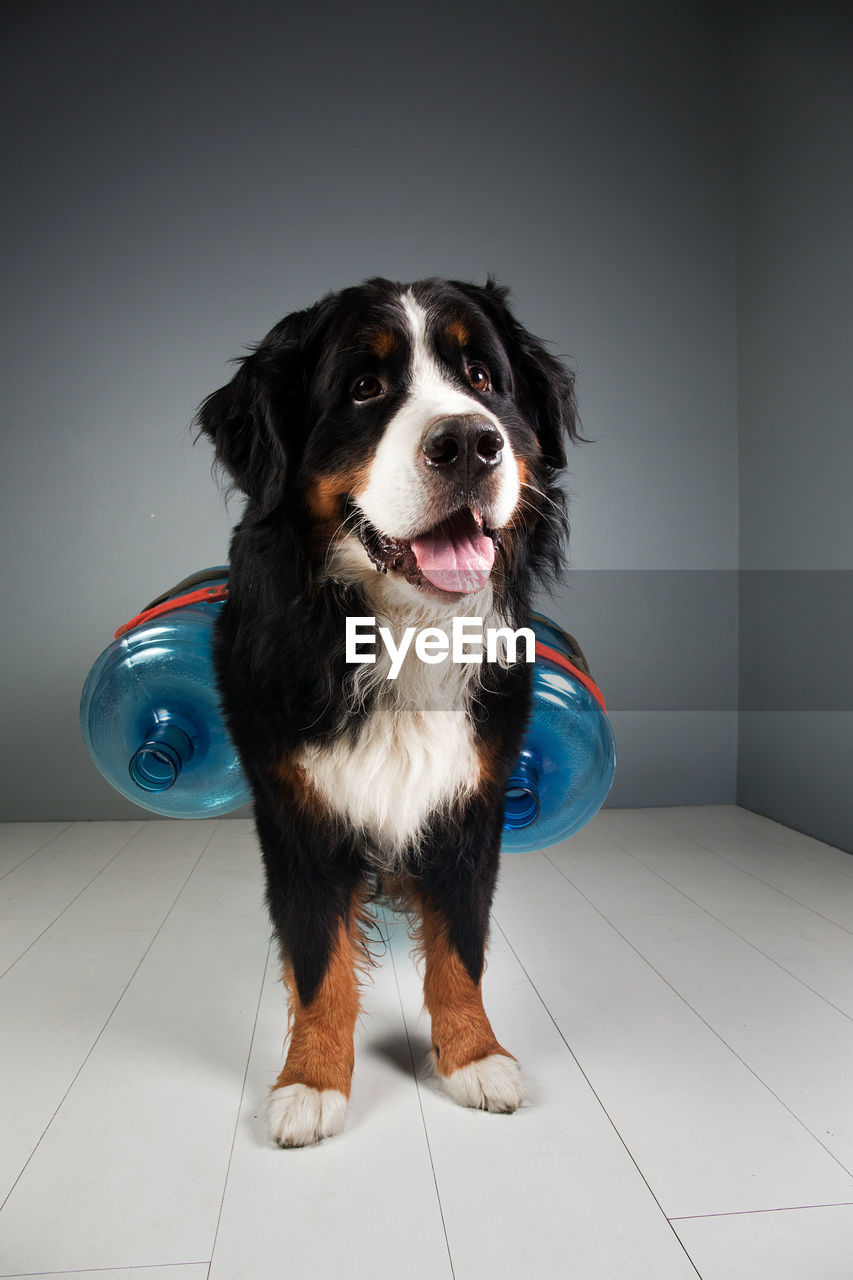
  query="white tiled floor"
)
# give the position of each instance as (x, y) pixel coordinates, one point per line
(678, 984)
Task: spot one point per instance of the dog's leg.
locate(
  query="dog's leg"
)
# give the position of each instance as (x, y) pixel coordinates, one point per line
(315, 893)
(472, 1066)
(309, 1099)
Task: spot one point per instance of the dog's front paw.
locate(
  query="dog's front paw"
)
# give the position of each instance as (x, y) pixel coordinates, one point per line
(494, 1083)
(299, 1115)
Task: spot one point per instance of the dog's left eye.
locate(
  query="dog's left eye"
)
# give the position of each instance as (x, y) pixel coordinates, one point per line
(367, 388)
(478, 376)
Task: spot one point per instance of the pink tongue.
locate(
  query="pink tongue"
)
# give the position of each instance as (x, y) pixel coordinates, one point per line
(460, 562)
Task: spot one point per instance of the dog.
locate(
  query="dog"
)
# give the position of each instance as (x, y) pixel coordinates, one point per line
(399, 447)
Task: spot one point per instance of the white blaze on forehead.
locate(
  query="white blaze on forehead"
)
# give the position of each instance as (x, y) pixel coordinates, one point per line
(430, 387)
(397, 499)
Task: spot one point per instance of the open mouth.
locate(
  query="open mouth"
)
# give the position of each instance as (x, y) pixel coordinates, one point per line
(455, 556)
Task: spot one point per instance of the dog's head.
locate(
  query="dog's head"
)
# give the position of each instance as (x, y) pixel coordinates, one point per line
(414, 429)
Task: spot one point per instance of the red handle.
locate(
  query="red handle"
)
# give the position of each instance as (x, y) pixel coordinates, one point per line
(545, 651)
(205, 595)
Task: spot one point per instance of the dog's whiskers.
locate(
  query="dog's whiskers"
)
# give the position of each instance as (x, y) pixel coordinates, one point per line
(525, 484)
(354, 515)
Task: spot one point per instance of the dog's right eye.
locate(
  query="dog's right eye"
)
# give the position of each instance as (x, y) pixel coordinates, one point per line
(367, 388)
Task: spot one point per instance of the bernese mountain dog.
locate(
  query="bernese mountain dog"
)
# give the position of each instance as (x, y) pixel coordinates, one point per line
(399, 448)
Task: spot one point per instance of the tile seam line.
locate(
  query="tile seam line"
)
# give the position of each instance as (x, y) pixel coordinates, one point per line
(93, 1271)
(787, 844)
(705, 1023)
(745, 829)
(779, 846)
(40, 849)
(70, 904)
(261, 989)
(421, 1106)
(108, 1020)
(751, 1213)
(730, 928)
(819, 862)
(759, 880)
(598, 1099)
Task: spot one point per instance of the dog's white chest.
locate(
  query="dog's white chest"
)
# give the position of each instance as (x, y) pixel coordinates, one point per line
(404, 764)
(414, 753)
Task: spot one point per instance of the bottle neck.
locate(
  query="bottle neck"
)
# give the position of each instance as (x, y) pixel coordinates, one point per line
(157, 764)
(521, 798)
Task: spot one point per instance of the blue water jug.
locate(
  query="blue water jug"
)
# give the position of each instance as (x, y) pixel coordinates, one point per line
(566, 766)
(153, 726)
(150, 710)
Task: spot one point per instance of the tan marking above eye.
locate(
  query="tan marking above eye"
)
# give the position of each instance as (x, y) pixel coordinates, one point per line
(458, 331)
(382, 343)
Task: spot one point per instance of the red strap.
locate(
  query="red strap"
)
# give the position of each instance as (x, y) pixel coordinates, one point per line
(205, 595)
(545, 651)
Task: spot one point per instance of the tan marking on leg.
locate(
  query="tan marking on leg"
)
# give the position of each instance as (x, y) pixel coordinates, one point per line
(461, 1032)
(321, 1051)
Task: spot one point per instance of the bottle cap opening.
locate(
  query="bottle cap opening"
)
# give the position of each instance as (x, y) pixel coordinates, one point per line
(155, 767)
(157, 764)
(521, 806)
(521, 798)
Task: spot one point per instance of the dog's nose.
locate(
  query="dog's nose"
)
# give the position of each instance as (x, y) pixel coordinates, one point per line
(464, 447)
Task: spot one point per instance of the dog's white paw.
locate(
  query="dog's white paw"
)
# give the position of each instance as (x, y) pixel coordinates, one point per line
(299, 1115)
(494, 1083)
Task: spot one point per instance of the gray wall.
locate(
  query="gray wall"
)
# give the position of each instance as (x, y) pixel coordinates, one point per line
(184, 174)
(794, 116)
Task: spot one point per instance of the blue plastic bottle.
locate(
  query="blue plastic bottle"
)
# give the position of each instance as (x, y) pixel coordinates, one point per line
(567, 762)
(150, 712)
(152, 723)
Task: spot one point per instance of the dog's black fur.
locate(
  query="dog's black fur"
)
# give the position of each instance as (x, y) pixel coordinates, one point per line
(285, 423)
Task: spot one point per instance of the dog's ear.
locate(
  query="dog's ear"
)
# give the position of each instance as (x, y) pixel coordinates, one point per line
(544, 388)
(257, 420)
